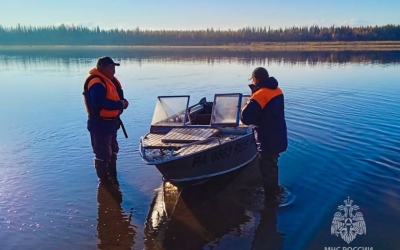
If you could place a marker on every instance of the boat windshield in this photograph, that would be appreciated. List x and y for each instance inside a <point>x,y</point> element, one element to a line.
<point>245,99</point>
<point>170,111</point>
<point>226,109</point>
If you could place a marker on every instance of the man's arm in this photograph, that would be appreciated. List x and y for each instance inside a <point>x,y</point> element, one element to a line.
<point>251,112</point>
<point>98,98</point>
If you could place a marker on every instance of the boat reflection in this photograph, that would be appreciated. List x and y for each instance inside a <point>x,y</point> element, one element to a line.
<point>200,216</point>
<point>113,225</point>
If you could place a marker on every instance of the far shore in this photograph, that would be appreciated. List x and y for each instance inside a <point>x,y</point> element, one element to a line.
<point>267,46</point>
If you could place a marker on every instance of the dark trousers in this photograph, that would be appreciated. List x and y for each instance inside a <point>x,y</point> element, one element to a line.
<point>269,170</point>
<point>104,145</point>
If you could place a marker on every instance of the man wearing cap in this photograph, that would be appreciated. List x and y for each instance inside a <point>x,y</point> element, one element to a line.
<point>104,100</point>
<point>265,110</point>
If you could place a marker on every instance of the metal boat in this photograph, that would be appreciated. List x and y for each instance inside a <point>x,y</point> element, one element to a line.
<point>196,142</point>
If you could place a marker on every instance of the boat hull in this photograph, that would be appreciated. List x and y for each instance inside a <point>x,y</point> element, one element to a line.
<point>211,162</point>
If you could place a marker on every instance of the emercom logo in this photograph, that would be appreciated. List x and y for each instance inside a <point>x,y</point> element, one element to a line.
<point>348,224</point>
<point>348,248</point>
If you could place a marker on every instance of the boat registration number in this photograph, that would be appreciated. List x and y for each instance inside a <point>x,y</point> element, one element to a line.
<point>221,154</point>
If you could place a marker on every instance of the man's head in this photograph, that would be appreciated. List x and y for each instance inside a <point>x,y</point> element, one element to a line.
<point>106,65</point>
<point>259,74</point>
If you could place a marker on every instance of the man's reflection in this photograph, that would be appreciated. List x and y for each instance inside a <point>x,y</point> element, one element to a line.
<point>266,236</point>
<point>113,226</point>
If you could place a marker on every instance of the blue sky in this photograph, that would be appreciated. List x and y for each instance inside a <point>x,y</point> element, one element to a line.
<point>200,14</point>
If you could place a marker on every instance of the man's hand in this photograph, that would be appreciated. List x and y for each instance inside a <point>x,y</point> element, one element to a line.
<point>253,88</point>
<point>125,104</point>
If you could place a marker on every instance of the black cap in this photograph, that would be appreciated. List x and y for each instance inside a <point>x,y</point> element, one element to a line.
<point>259,73</point>
<point>105,61</point>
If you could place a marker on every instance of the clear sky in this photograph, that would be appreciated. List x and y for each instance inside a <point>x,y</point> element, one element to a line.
<point>198,14</point>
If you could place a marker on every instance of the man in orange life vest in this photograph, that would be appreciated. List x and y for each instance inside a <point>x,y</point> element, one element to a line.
<point>265,110</point>
<point>104,100</point>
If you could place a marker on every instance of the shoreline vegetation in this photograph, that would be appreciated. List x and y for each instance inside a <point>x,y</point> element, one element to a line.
<point>261,46</point>
<point>263,38</point>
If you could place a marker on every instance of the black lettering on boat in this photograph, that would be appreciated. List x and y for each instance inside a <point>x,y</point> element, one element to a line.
<point>240,147</point>
<point>204,160</point>
<point>216,156</point>
<point>199,160</point>
<point>245,144</point>
<point>225,153</point>
<point>229,151</point>
<point>221,154</point>
<point>235,151</point>
<point>213,156</point>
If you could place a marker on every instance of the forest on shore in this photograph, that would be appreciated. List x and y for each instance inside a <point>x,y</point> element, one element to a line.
<point>80,35</point>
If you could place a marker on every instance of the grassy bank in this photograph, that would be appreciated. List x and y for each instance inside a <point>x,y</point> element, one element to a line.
<point>267,46</point>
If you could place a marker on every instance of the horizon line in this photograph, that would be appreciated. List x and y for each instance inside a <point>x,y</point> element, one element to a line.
<point>70,25</point>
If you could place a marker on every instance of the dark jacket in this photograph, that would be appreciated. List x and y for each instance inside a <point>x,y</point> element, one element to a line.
<point>265,110</point>
<point>96,99</point>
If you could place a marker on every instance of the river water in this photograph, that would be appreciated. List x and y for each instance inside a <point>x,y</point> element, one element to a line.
<point>343,118</point>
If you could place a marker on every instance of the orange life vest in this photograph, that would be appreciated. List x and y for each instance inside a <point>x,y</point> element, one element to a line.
<point>264,95</point>
<point>111,92</point>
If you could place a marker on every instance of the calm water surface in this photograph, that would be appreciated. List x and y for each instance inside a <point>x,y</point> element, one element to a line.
<point>343,117</point>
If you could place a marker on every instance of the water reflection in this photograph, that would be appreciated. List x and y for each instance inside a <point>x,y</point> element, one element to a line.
<point>76,55</point>
<point>113,225</point>
<point>344,135</point>
<point>201,216</point>
<point>266,236</point>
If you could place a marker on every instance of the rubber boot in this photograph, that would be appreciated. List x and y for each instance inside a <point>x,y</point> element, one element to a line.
<point>269,173</point>
<point>112,170</point>
<point>271,185</point>
<point>101,171</point>
<point>273,180</point>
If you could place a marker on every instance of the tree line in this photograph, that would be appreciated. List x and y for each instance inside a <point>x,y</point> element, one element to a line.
<point>80,35</point>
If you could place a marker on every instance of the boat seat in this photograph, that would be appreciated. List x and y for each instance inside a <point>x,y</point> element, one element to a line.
<point>202,119</point>
<point>187,135</point>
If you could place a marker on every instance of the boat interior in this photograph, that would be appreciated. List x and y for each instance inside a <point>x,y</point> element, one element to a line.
<point>178,126</point>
